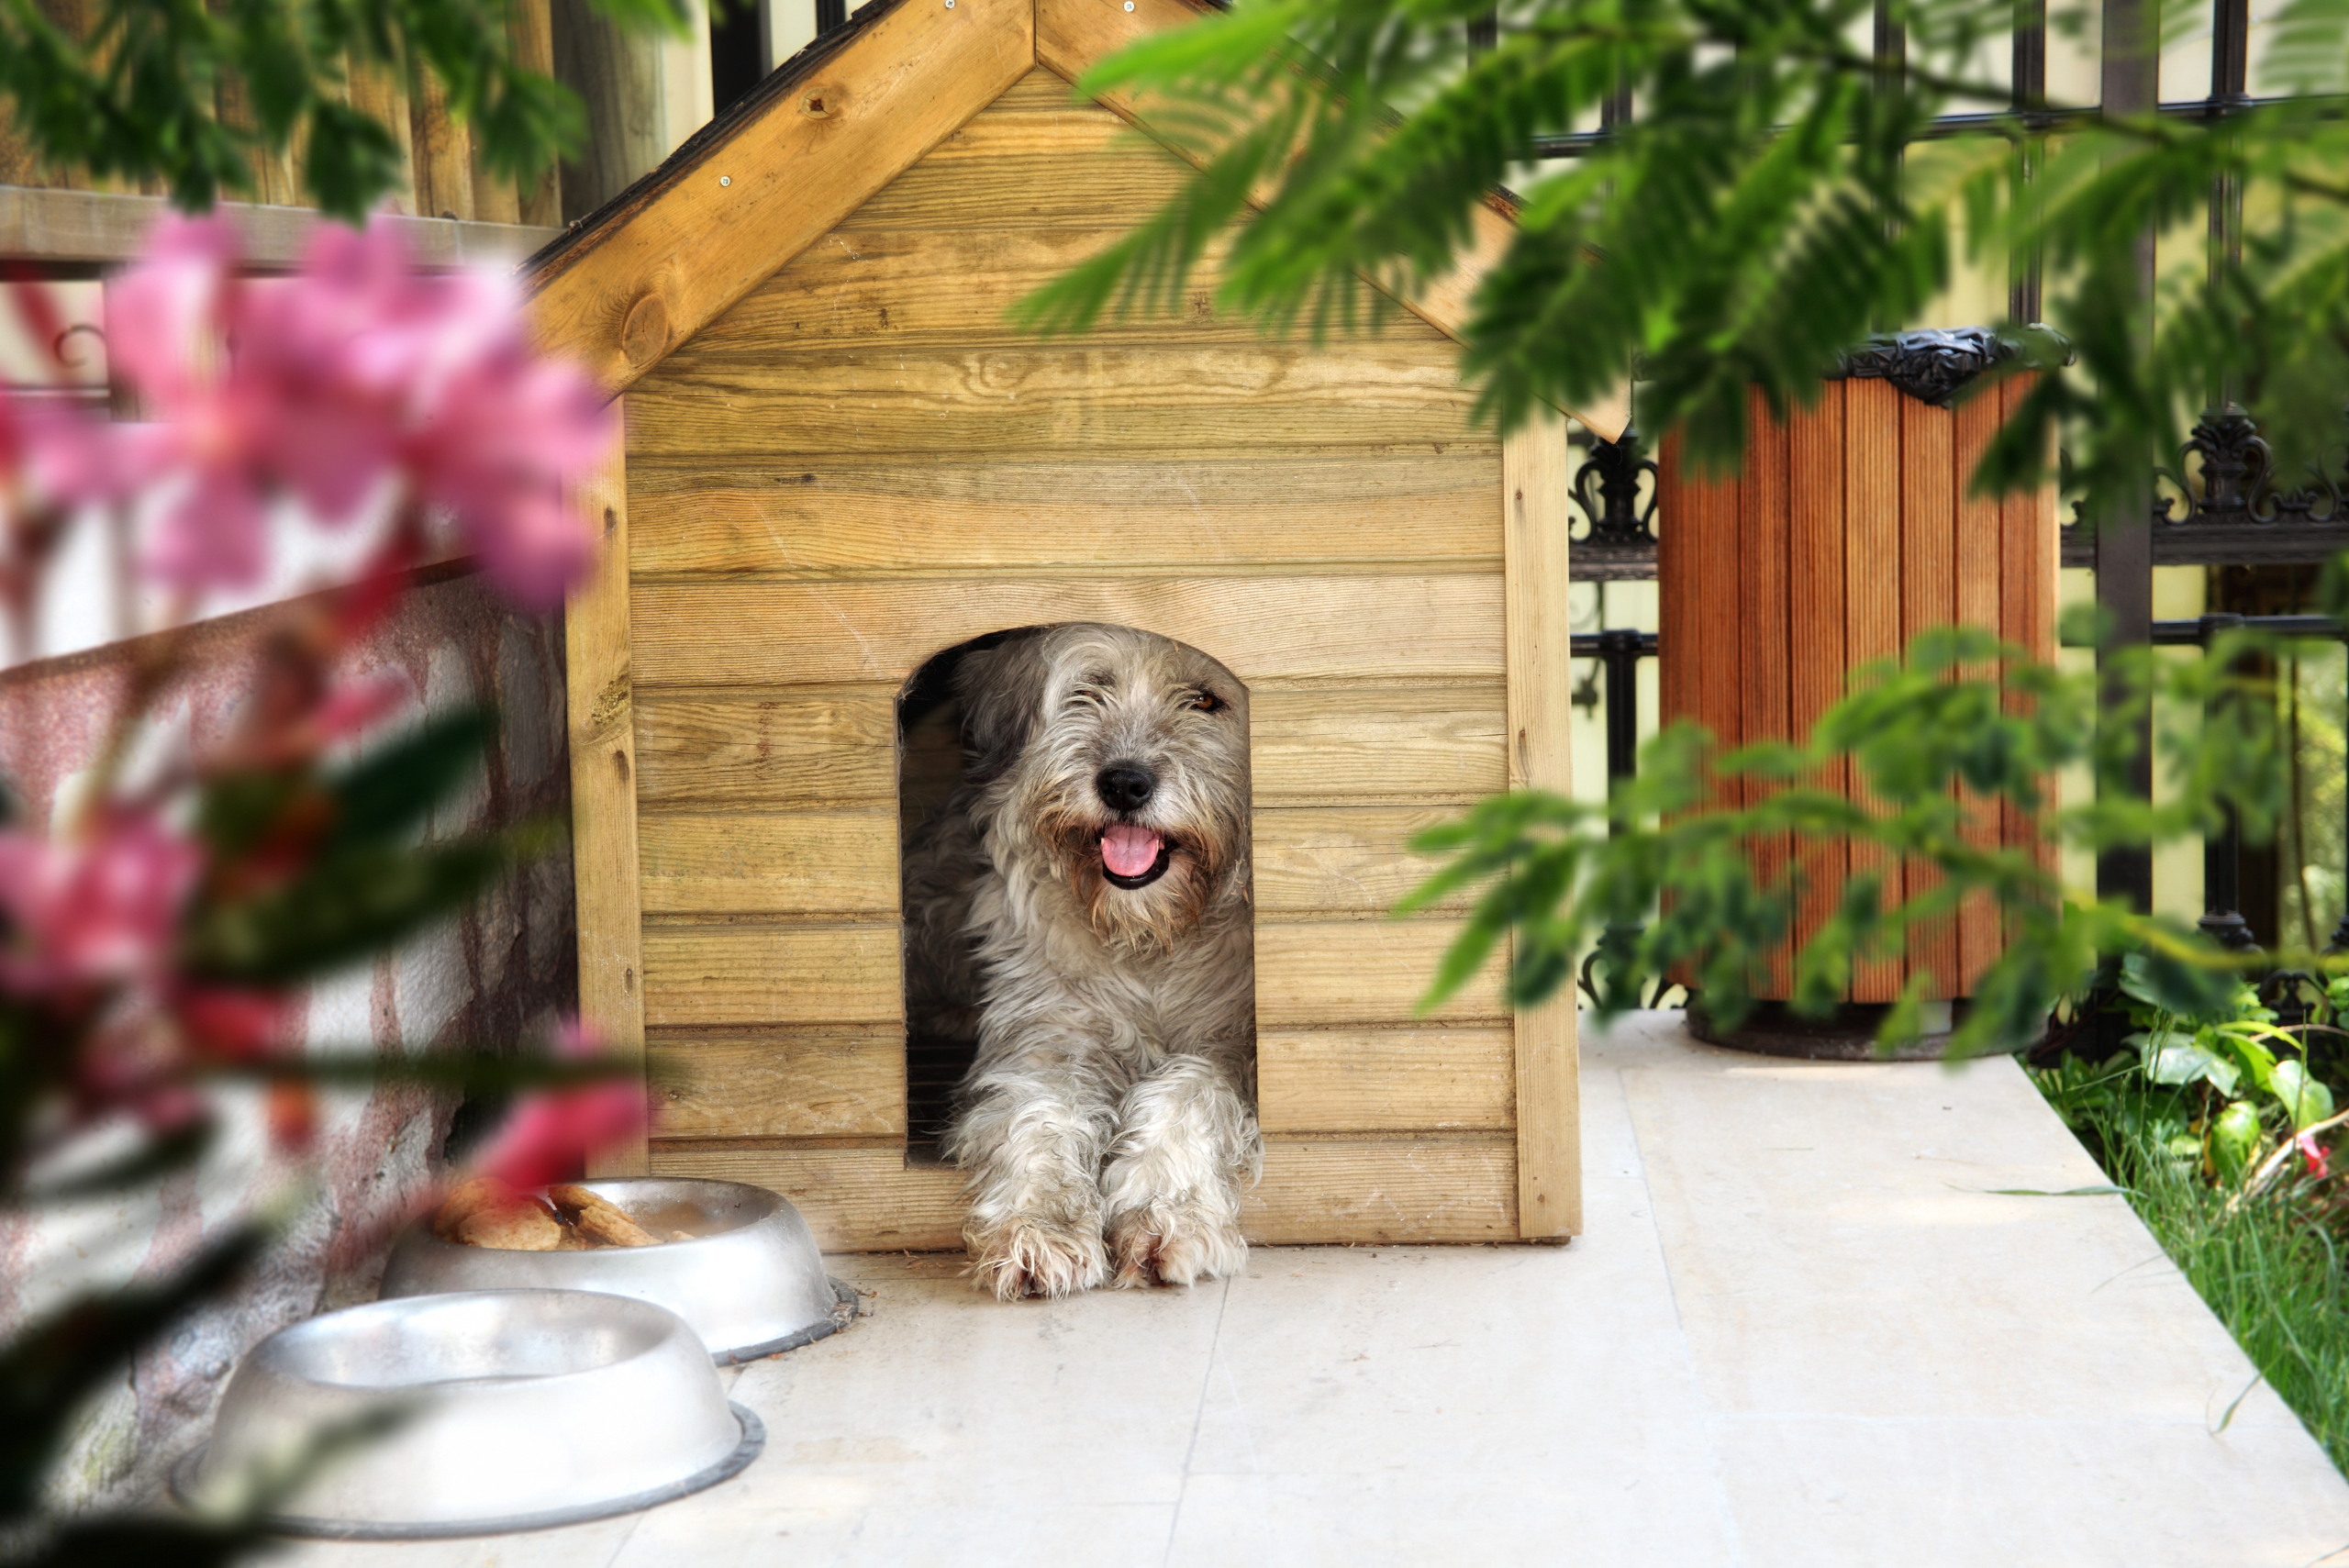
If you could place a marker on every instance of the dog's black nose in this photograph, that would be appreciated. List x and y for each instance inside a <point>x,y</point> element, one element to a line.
<point>1124,786</point>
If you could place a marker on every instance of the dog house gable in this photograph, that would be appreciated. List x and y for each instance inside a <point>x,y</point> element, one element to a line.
<point>851,463</point>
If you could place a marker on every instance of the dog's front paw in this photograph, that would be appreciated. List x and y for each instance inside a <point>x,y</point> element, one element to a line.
<point>1031,1257</point>
<point>1174,1244</point>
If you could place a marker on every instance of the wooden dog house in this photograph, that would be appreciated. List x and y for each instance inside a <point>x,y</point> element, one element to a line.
<point>840,460</point>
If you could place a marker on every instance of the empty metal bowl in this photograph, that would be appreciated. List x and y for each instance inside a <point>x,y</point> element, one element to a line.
<point>751,1283</point>
<point>498,1410</point>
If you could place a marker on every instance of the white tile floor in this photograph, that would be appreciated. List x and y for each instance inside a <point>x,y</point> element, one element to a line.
<point>1802,1330</point>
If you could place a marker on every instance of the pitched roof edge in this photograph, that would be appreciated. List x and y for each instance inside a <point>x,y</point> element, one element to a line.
<point>550,259</point>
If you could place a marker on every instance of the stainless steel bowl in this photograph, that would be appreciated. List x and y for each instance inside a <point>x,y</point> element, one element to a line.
<point>510,1409</point>
<point>752,1285</point>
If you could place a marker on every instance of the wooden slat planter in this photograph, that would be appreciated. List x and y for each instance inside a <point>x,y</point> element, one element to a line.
<point>1848,530</point>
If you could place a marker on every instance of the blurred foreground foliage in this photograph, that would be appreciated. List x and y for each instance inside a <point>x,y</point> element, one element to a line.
<point>132,92</point>
<point>1662,883</point>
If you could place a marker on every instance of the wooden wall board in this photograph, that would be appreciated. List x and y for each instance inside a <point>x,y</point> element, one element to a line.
<point>1404,1079</point>
<point>822,516</point>
<point>1299,627</point>
<point>1535,481</point>
<point>601,733</point>
<point>1388,743</point>
<point>809,747</point>
<point>1872,629</point>
<point>754,862</point>
<point>1816,673</point>
<point>734,974</point>
<point>1322,974</point>
<point>1017,395</point>
<point>1345,860</point>
<point>778,1082</point>
<point>1431,1187</point>
<point>2029,545</point>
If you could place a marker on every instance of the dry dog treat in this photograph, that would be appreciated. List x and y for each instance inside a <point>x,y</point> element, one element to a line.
<point>468,1199</point>
<point>598,1218</point>
<point>526,1226</point>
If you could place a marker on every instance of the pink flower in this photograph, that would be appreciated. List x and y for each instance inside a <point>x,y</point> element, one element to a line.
<point>357,375</point>
<point>92,913</point>
<point>2311,1153</point>
<point>549,1136</point>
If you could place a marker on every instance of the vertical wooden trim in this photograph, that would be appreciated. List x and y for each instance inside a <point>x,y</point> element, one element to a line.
<point>1816,668</point>
<point>1533,490</point>
<point>1872,604</point>
<point>603,795</point>
<point>1980,548</point>
<point>1698,604</point>
<point>1766,647</point>
<point>530,26</point>
<point>1927,598</point>
<point>380,92</point>
<point>444,153</point>
<point>2031,545</point>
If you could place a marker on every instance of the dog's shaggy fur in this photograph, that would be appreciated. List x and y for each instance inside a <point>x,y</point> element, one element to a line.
<point>1107,1126</point>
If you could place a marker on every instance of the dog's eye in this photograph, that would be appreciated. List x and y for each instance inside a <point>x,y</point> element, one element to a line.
<point>1205,701</point>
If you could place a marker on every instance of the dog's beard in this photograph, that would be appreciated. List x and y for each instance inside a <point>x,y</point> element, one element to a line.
<point>1137,884</point>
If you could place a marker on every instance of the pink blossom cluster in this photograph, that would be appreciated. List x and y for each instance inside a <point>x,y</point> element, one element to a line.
<point>358,380</point>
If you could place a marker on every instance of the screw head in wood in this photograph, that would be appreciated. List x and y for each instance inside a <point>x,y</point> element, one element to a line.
<point>725,179</point>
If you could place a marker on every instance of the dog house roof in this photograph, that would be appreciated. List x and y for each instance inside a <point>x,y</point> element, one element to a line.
<point>627,284</point>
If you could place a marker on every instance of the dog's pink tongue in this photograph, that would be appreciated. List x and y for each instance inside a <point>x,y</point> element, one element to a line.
<point>1129,851</point>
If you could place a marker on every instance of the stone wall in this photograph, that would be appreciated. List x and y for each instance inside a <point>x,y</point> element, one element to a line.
<point>502,971</point>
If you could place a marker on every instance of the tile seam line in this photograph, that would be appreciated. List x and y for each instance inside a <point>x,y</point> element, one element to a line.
<point>1679,1324</point>
<point>1198,1416</point>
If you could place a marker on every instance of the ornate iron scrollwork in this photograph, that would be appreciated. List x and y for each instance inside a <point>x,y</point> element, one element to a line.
<point>2231,514</point>
<point>1614,514</point>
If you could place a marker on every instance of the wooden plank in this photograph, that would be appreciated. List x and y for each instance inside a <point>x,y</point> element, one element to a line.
<point>1074,36</point>
<point>2031,543</point>
<point>1397,744</point>
<point>1429,1189</point>
<point>602,795</point>
<point>1017,396</point>
<point>1979,596</point>
<point>778,1082</point>
<point>820,517</point>
<point>682,247</point>
<point>529,31</point>
<point>1927,598</point>
<point>723,975</point>
<point>808,748</point>
<point>855,1198</point>
<point>949,284</point>
<point>1872,571</point>
<point>1012,189</point>
<point>828,516</point>
<point>1764,645</point>
<point>1390,1190</point>
<point>1535,474</point>
<point>1390,1080</point>
<point>1347,860</point>
<point>1442,625</point>
<point>1816,667</point>
<point>380,92</point>
<point>444,153</point>
<point>1321,974</point>
<point>738,862</point>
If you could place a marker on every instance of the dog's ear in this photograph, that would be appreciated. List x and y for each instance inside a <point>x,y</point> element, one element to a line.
<point>1001,692</point>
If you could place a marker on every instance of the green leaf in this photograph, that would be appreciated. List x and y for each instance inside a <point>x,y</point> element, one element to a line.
<point>2234,1139</point>
<point>2187,1062</point>
<point>2305,1100</point>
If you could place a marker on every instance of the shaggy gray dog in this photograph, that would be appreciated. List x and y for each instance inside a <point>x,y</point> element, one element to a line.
<point>1087,884</point>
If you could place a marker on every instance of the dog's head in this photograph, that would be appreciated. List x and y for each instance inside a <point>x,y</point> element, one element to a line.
<point>1119,767</point>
